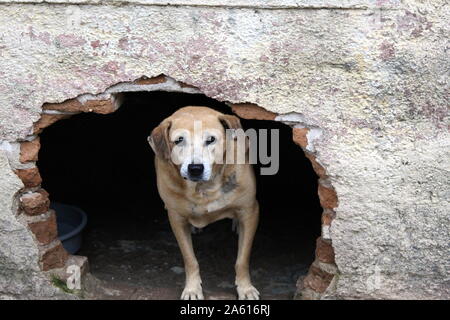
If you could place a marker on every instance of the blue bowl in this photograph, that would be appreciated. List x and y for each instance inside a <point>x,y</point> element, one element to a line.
<point>71,222</point>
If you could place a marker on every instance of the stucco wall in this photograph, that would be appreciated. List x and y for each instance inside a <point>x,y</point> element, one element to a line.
<point>370,76</point>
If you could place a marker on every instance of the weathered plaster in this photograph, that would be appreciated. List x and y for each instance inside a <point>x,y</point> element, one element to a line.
<point>266,4</point>
<point>20,276</point>
<point>374,81</point>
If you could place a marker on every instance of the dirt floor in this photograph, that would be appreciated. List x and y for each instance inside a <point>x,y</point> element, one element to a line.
<point>141,260</point>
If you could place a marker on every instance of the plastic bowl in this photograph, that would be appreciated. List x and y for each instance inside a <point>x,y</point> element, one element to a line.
<point>71,222</point>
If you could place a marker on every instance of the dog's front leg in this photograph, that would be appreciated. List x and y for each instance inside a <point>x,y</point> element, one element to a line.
<point>248,222</point>
<point>181,229</point>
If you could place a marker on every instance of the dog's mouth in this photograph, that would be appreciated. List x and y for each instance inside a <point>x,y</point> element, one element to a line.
<point>194,179</point>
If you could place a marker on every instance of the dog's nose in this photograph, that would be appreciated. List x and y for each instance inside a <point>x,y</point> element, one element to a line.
<point>195,170</point>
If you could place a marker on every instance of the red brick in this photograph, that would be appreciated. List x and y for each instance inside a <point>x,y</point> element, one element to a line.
<point>317,279</point>
<point>46,230</point>
<point>47,120</point>
<point>252,111</point>
<point>73,105</point>
<point>35,203</point>
<point>29,150</point>
<point>30,177</point>
<point>185,85</point>
<point>155,80</point>
<point>55,257</point>
<point>299,136</point>
<point>327,197</point>
<point>327,217</point>
<point>324,251</point>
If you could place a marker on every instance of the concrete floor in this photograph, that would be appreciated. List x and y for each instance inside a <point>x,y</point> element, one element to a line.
<point>141,260</point>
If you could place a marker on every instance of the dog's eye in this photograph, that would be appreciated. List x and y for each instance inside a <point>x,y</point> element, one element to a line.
<point>179,140</point>
<point>210,140</point>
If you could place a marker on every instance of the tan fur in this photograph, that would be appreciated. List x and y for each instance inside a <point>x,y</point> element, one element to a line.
<point>230,193</point>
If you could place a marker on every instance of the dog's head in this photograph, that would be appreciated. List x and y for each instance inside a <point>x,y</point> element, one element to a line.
<point>195,140</point>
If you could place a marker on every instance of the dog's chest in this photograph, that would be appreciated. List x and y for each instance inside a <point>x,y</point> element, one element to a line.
<point>204,203</point>
<point>206,209</point>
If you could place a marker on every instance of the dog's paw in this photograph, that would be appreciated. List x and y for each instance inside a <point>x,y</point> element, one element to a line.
<point>247,292</point>
<point>192,293</point>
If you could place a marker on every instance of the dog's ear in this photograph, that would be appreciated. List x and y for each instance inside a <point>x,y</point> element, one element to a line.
<point>159,139</point>
<point>233,123</point>
<point>230,122</point>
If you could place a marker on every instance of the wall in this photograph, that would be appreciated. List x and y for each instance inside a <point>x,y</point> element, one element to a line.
<point>368,78</point>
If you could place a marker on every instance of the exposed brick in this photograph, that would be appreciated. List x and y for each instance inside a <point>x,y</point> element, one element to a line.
<point>30,177</point>
<point>304,293</point>
<point>46,230</point>
<point>318,169</point>
<point>327,197</point>
<point>324,251</point>
<point>327,217</point>
<point>55,257</point>
<point>73,105</point>
<point>299,136</point>
<point>35,203</point>
<point>155,80</point>
<point>317,279</point>
<point>29,150</point>
<point>185,85</point>
<point>100,106</point>
<point>47,120</point>
<point>252,111</point>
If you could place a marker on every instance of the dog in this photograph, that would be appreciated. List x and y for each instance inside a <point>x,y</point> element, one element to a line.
<point>198,188</point>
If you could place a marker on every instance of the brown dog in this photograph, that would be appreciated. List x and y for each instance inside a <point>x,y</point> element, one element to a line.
<point>198,189</point>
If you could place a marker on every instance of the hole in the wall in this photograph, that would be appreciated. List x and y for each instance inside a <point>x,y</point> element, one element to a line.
<point>103,164</point>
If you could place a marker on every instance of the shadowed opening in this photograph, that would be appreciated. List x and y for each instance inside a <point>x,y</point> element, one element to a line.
<point>104,165</point>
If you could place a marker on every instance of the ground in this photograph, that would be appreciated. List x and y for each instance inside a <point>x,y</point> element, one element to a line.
<point>142,261</point>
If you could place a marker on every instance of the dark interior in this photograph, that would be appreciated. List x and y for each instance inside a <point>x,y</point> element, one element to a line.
<point>104,165</point>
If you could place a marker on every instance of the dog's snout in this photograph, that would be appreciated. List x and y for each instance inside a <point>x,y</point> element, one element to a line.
<point>195,170</point>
